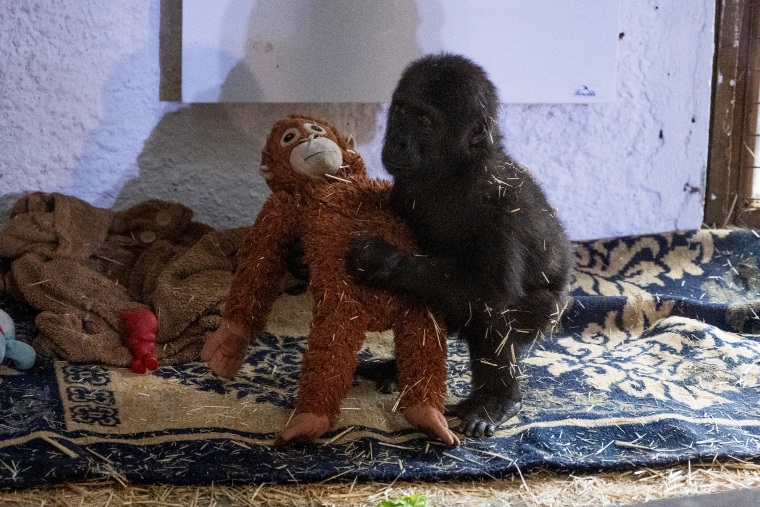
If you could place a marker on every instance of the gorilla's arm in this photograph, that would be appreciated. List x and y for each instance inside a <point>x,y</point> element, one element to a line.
<point>448,285</point>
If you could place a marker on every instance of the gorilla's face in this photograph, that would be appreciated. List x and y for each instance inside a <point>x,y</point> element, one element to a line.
<point>414,141</point>
<point>441,121</point>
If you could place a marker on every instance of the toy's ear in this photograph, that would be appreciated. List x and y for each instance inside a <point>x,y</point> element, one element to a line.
<point>266,172</point>
<point>350,143</point>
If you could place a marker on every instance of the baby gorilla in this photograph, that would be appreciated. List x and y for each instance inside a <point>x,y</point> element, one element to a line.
<point>497,261</point>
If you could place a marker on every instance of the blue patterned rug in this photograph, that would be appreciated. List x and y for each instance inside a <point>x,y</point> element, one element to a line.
<point>658,361</point>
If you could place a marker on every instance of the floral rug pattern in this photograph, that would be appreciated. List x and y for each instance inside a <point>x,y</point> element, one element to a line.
<point>657,361</point>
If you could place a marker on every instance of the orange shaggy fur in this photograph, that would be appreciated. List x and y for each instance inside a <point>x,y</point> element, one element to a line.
<point>324,215</point>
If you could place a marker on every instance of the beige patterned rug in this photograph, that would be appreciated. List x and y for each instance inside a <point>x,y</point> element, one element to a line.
<point>657,364</point>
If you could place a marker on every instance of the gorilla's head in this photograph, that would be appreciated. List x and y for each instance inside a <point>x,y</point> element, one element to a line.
<point>442,119</point>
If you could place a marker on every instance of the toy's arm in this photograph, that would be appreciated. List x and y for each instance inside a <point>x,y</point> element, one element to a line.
<point>255,284</point>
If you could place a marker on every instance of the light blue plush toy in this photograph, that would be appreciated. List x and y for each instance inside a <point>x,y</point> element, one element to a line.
<point>22,354</point>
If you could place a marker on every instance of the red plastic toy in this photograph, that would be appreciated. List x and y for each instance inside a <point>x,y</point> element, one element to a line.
<point>140,327</point>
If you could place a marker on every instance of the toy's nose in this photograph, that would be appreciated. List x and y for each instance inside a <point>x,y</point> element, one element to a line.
<point>308,138</point>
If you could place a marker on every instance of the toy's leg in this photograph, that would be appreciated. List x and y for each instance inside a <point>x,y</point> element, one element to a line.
<point>421,359</point>
<point>327,370</point>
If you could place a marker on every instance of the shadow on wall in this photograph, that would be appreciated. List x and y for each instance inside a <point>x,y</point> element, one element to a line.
<point>340,51</point>
<point>195,156</point>
<point>207,156</point>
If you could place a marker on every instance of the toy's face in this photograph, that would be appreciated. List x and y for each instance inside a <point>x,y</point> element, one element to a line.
<point>303,146</point>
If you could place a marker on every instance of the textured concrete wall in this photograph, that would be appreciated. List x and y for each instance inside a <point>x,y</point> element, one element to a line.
<point>80,114</point>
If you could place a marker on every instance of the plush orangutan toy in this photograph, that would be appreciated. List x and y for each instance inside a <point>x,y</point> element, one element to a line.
<point>321,197</point>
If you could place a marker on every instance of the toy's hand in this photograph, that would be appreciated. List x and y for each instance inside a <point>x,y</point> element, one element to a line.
<point>371,260</point>
<point>432,422</point>
<point>224,350</point>
<point>303,427</point>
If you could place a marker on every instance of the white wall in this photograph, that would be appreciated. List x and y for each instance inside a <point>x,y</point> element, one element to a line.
<point>549,51</point>
<point>80,114</point>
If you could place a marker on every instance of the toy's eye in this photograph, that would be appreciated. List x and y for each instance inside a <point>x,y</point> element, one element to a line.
<point>313,127</point>
<point>289,136</point>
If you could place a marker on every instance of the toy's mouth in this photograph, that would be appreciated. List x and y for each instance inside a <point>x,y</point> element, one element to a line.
<point>317,153</point>
<point>316,158</point>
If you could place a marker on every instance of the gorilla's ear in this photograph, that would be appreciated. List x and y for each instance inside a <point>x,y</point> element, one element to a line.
<point>479,132</point>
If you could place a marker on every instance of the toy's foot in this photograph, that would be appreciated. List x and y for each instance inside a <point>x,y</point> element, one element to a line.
<point>482,414</point>
<point>150,362</point>
<point>432,422</point>
<point>22,354</point>
<point>138,367</point>
<point>147,363</point>
<point>303,427</point>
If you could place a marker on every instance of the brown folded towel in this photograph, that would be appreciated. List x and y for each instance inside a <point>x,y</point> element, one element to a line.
<point>75,263</point>
<point>54,225</point>
<point>190,292</point>
<point>78,321</point>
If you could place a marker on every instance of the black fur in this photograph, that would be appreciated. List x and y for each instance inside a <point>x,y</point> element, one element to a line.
<point>497,260</point>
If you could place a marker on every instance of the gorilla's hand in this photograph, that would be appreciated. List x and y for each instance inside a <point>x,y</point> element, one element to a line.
<point>371,260</point>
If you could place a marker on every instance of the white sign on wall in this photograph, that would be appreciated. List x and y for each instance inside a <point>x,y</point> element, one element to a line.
<point>535,51</point>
